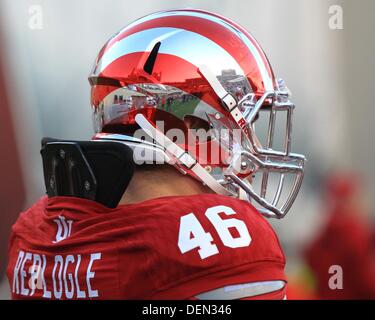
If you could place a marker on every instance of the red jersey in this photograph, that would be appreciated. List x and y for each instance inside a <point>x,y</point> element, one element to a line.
<point>165,248</point>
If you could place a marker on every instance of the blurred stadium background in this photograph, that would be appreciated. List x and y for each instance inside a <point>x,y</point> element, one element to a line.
<point>44,92</point>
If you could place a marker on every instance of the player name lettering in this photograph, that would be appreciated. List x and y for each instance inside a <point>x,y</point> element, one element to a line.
<point>55,277</point>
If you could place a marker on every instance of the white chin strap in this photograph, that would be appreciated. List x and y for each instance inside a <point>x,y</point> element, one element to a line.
<point>232,106</point>
<point>226,98</point>
<point>180,155</point>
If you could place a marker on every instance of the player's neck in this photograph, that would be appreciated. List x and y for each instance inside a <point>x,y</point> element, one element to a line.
<point>161,182</point>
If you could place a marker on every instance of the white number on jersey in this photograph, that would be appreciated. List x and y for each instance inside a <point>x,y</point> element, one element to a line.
<point>192,235</point>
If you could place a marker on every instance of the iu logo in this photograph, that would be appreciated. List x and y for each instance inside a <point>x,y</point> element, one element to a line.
<point>64,228</point>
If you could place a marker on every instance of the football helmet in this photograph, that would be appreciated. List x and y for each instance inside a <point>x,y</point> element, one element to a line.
<point>188,88</point>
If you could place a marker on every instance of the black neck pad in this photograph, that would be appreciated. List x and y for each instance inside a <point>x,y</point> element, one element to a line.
<point>94,170</point>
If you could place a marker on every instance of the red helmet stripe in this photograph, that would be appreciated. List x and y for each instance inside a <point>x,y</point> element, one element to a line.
<point>224,37</point>
<point>164,72</point>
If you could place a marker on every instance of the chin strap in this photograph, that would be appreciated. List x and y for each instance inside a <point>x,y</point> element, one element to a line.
<point>226,98</point>
<point>183,157</point>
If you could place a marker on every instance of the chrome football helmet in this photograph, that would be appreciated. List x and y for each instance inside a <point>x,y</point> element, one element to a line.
<point>189,88</point>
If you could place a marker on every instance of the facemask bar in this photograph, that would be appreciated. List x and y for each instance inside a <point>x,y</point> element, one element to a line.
<point>271,209</point>
<point>269,160</point>
<point>262,159</point>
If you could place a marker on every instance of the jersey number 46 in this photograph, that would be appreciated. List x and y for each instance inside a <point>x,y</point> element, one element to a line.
<point>192,235</point>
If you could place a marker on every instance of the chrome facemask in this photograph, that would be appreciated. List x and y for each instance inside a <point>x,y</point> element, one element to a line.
<point>264,161</point>
<point>257,159</point>
<point>276,175</point>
